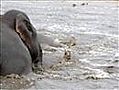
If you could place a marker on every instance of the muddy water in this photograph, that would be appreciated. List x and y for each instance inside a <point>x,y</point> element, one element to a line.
<point>86,56</point>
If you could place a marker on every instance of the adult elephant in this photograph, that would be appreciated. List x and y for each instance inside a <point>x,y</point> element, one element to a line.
<point>19,38</point>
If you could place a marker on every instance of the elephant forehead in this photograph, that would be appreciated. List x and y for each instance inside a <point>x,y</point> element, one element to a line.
<point>10,17</point>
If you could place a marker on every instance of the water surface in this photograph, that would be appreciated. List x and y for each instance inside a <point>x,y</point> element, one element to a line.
<point>89,32</point>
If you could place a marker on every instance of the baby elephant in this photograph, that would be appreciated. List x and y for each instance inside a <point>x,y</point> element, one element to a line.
<point>20,49</point>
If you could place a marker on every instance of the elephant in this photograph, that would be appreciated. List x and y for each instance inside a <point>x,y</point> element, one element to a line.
<point>14,55</point>
<point>18,24</point>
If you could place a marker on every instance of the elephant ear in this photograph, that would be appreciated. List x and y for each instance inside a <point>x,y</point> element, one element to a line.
<point>23,28</point>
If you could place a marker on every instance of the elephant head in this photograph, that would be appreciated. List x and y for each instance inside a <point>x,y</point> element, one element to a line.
<point>20,23</point>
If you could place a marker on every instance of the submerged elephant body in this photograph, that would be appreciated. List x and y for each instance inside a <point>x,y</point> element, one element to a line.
<point>20,47</point>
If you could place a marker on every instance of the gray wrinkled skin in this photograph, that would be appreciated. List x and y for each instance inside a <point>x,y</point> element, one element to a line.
<point>14,56</point>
